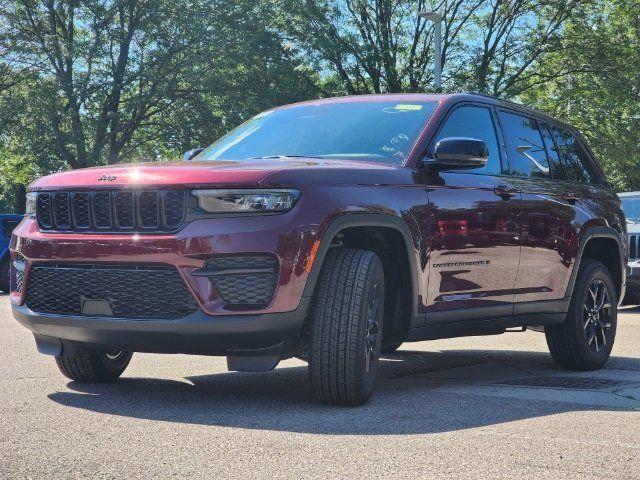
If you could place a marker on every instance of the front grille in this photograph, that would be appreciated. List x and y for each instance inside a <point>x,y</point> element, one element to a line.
<point>244,280</point>
<point>131,292</point>
<point>112,210</point>
<point>633,247</point>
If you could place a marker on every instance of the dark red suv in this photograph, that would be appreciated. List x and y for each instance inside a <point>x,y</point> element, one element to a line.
<point>330,230</point>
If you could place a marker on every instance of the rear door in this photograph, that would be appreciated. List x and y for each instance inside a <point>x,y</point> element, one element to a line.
<point>474,249</point>
<point>548,233</point>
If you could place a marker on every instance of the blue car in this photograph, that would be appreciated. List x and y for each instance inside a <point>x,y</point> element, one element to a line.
<point>7,225</point>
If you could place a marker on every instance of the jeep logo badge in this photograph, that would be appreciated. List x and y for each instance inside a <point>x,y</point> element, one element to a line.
<point>107,178</point>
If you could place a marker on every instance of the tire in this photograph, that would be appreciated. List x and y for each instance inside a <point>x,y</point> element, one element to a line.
<point>390,347</point>
<point>4,274</point>
<point>584,341</point>
<point>94,367</point>
<point>346,327</point>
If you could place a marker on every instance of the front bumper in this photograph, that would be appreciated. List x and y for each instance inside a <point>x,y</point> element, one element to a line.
<point>214,328</point>
<point>279,236</point>
<point>197,333</point>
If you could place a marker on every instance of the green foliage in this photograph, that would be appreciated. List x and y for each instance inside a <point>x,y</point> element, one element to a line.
<point>16,171</point>
<point>601,94</point>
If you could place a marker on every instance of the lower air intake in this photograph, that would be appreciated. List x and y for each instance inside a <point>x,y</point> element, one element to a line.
<point>131,292</point>
<point>244,281</point>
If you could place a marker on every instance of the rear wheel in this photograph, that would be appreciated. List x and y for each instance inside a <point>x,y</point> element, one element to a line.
<point>4,274</point>
<point>585,340</point>
<point>346,329</point>
<point>94,367</point>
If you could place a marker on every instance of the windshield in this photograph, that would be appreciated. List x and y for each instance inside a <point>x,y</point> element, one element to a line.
<point>373,131</point>
<point>631,208</point>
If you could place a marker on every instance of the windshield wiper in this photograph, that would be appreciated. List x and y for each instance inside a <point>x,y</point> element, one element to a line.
<point>266,157</point>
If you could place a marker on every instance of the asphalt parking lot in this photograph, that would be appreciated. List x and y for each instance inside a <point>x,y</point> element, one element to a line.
<point>484,407</point>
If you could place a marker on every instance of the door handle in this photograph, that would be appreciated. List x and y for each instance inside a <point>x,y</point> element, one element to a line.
<point>570,197</point>
<point>505,191</point>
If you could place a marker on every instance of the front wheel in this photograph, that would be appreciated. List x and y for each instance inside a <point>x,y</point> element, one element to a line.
<point>584,341</point>
<point>346,328</point>
<point>94,367</point>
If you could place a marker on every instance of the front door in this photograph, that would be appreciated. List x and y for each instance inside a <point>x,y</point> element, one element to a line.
<point>474,245</point>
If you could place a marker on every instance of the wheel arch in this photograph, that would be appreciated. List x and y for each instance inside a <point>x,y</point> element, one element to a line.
<point>382,234</point>
<point>603,244</point>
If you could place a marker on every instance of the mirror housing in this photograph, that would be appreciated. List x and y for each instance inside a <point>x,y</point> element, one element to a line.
<point>458,153</point>
<point>188,155</point>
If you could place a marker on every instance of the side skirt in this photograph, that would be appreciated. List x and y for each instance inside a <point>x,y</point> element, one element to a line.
<point>483,327</point>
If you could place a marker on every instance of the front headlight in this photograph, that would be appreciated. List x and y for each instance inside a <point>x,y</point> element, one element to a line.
<point>30,208</point>
<point>246,201</point>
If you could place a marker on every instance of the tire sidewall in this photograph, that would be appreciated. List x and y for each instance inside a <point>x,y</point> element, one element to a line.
<point>367,381</point>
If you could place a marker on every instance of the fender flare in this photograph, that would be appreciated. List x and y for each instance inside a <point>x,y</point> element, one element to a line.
<point>599,232</point>
<point>365,220</point>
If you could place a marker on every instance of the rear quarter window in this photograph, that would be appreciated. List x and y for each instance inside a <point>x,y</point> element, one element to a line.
<point>574,158</point>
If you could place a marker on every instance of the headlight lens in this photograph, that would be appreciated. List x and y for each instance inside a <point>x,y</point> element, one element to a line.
<point>246,201</point>
<point>30,209</point>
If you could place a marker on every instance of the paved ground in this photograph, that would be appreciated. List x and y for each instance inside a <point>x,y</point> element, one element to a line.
<point>441,410</point>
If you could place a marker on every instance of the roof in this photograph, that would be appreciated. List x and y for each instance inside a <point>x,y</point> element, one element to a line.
<point>444,98</point>
<point>629,194</point>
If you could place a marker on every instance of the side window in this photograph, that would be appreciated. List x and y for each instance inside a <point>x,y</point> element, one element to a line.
<point>574,159</point>
<point>475,122</point>
<point>527,156</point>
<point>557,170</point>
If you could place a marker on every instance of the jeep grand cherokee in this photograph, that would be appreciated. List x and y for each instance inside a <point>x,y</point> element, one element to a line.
<point>330,230</point>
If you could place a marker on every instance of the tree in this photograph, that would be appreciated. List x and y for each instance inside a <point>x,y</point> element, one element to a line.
<point>374,46</point>
<point>601,96</point>
<point>514,35</point>
<point>116,63</point>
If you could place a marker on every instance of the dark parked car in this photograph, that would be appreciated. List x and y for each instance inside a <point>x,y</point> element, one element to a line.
<point>331,230</point>
<point>7,225</point>
<point>631,208</point>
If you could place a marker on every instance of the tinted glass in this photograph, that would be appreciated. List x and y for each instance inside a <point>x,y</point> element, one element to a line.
<point>372,131</point>
<point>557,171</point>
<point>574,159</point>
<point>527,156</point>
<point>475,122</point>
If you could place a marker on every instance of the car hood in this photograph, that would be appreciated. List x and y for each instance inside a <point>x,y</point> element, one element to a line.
<point>192,174</point>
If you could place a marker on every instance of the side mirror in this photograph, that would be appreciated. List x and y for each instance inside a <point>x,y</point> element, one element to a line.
<point>188,155</point>
<point>458,153</point>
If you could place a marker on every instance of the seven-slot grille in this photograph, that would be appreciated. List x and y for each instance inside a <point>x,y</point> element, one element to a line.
<point>633,247</point>
<point>111,210</point>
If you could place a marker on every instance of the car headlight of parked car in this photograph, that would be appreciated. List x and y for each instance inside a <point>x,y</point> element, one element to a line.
<point>246,201</point>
